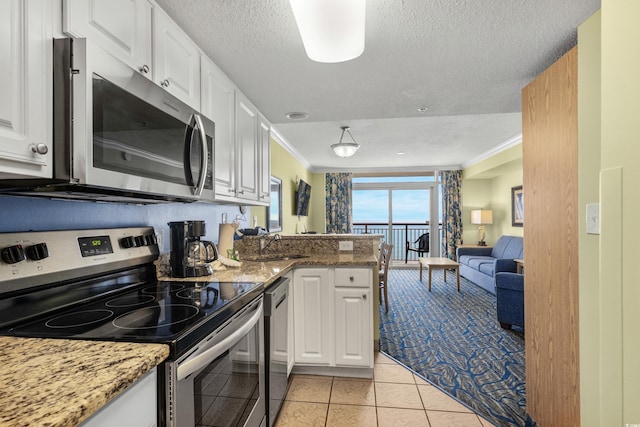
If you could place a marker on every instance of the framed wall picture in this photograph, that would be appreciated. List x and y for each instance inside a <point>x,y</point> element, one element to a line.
<point>517,206</point>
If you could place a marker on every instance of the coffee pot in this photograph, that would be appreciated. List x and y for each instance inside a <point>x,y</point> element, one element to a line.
<point>190,255</point>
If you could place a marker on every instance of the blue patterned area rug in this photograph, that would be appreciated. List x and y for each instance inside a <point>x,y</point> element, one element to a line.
<point>454,341</point>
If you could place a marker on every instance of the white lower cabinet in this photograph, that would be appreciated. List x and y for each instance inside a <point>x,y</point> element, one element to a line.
<point>353,319</point>
<point>290,322</point>
<point>333,317</point>
<point>313,315</point>
<point>134,407</point>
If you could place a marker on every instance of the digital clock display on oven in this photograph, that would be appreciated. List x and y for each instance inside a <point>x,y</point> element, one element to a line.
<point>97,245</point>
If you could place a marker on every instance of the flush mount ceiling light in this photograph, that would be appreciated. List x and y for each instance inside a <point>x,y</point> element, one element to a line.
<point>297,115</point>
<point>345,149</point>
<point>331,30</point>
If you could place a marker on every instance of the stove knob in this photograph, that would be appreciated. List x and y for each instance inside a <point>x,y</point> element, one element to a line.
<point>127,242</point>
<point>150,239</point>
<point>139,240</point>
<point>13,254</point>
<point>37,252</point>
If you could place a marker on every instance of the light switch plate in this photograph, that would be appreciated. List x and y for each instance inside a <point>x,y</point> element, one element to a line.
<point>346,245</point>
<point>593,218</point>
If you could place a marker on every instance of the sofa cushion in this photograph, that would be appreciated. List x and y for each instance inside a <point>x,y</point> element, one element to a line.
<point>510,247</point>
<point>476,261</point>
<point>487,268</point>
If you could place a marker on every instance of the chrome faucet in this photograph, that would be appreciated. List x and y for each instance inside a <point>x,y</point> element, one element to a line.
<point>268,241</point>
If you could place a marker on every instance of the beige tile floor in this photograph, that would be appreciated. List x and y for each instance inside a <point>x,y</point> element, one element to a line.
<point>394,397</point>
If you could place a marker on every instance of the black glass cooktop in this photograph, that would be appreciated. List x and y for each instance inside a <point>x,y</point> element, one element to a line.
<point>175,313</point>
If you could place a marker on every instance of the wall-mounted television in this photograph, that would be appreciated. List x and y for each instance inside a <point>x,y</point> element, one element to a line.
<point>303,195</point>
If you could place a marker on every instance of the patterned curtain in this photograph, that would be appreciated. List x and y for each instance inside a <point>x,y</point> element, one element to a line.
<point>451,212</point>
<point>338,201</point>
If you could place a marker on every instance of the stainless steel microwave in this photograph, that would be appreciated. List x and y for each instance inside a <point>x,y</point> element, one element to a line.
<point>120,137</point>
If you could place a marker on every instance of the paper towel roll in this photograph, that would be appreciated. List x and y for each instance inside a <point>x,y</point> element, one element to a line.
<point>225,238</point>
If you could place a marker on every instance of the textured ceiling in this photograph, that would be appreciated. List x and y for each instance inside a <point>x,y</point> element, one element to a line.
<point>466,61</point>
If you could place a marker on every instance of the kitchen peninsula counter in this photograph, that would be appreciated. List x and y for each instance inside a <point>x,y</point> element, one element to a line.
<point>256,271</point>
<point>54,382</point>
<point>317,250</point>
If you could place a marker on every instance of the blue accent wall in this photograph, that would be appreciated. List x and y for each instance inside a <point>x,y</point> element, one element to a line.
<point>40,214</point>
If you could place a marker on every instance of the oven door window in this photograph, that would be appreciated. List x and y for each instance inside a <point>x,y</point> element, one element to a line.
<point>228,390</point>
<point>133,137</point>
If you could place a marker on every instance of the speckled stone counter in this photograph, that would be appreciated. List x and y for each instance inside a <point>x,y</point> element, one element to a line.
<point>319,250</point>
<point>51,382</point>
<point>268,271</point>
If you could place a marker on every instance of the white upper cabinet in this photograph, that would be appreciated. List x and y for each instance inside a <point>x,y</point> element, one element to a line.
<point>247,164</point>
<point>121,27</point>
<point>176,60</point>
<point>264,147</point>
<point>218,104</point>
<point>142,36</point>
<point>26,89</point>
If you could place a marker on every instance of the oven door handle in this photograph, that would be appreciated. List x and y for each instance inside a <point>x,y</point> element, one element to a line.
<point>192,365</point>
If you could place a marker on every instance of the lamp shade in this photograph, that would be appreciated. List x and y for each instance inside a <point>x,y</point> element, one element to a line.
<point>482,216</point>
<point>331,30</point>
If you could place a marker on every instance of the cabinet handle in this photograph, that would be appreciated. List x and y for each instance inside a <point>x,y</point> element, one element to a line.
<point>240,192</point>
<point>364,296</point>
<point>39,148</point>
<point>232,190</point>
<point>144,69</point>
<point>164,83</point>
<point>351,278</point>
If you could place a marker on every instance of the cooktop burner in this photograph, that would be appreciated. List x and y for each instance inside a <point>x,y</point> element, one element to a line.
<point>79,318</point>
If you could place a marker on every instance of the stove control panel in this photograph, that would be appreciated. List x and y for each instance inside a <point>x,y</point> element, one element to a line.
<point>34,258</point>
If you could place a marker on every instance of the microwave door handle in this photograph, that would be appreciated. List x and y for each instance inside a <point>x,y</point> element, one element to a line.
<point>192,365</point>
<point>204,160</point>
<point>195,123</point>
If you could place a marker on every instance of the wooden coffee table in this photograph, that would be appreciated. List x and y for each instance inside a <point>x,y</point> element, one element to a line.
<point>442,264</point>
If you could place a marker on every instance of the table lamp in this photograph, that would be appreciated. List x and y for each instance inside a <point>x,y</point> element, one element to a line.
<point>481,217</point>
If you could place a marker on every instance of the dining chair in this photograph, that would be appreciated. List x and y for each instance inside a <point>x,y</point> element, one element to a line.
<point>384,260</point>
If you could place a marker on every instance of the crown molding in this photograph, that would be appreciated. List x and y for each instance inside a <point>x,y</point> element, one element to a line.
<point>513,141</point>
<point>282,141</point>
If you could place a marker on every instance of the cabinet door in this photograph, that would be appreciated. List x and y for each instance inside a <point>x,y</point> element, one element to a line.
<point>290,326</point>
<point>264,147</point>
<point>353,327</point>
<point>26,89</point>
<point>218,104</point>
<point>246,149</point>
<point>313,313</point>
<point>121,27</point>
<point>176,60</point>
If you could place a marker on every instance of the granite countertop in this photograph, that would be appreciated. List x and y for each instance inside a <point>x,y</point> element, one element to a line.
<point>268,271</point>
<point>51,382</point>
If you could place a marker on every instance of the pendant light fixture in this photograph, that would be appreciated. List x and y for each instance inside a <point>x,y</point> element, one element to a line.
<point>331,30</point>
<point>345,149</point>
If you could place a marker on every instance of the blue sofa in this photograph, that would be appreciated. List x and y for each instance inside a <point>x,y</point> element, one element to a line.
<point>480,264</point>
<point>510,299</point>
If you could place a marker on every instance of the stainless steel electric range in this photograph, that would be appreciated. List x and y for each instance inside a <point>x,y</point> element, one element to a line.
<point>101,285</point>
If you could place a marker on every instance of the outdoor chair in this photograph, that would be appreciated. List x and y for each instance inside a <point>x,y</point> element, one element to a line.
<point>421,248</point>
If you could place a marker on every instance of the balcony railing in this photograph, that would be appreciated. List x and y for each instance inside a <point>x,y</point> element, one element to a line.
<point>400,233</point>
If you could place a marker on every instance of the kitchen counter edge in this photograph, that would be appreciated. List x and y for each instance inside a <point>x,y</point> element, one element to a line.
<point>60,382</point>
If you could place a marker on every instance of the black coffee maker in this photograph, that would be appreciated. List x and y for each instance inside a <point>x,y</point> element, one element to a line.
<point>190,255</point>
